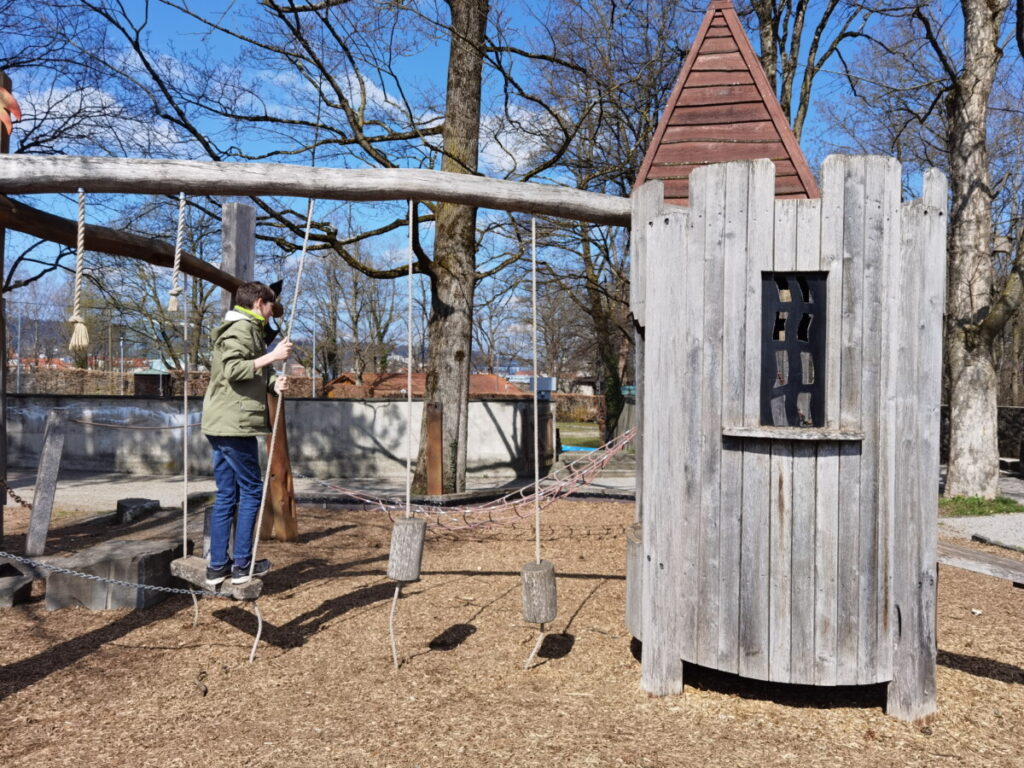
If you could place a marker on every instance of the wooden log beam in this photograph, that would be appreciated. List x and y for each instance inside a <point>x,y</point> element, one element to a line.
<point>35,174</point>
<point>32,221</point>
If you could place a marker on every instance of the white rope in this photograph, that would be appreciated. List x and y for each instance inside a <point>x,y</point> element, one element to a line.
<point>285,336</point>
<point>408,376</point>
<point>172,303</point>
<point>536,417</point>
<point>80,333</point>
<point>536,648</point>
<point>391,625</point>
<point>184,389</point>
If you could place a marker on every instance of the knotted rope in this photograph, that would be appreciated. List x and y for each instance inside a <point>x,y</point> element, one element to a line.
<point>176,289</point>
<point>80,333</point>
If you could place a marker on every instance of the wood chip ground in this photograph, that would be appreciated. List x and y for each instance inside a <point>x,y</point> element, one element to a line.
<point>148,689</point>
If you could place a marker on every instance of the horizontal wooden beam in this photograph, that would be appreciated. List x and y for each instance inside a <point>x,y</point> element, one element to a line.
<point>47,226</point>
<point>36,174</point>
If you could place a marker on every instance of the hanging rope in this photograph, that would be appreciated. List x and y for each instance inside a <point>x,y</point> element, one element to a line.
<point>536,416</point>
<point>285,336</point>
<point>408,429</point>
<point>544,576</point>
<point>172,302</point>
<point>172,305</point>
<point>80,333</point>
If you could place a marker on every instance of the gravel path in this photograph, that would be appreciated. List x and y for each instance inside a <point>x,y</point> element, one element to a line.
<point>1004,530</point>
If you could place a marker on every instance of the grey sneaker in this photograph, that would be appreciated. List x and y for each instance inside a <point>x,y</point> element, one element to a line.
<point>215,576</point>
<point>240,575</point>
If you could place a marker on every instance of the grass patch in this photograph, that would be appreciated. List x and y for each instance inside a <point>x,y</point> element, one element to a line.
<point>974,506</point>
<point>580,433</point>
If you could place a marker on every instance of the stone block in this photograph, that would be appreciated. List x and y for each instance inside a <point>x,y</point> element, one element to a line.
<point>130,510</point>
<point>193,570</point>
<point>15,584</point>
<point>139,562</point>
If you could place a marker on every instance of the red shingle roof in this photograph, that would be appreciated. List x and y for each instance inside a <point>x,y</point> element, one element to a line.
<point>722,108</point>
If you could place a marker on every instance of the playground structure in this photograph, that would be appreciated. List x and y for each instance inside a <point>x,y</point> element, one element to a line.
<point>787,495</point>
<point>784,541</point>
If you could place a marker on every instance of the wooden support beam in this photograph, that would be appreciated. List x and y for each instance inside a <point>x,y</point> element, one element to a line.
<point>282,521</point>
<point>47,226</point>
<point>435,443</point>
<point>46,482</point>
<point>36,174</point>
<point>238,247</point>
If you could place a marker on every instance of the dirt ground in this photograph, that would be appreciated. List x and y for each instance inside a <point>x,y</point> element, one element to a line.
<point>148,689</point>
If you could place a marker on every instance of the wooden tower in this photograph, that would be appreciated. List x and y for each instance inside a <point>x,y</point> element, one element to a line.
<point>789,361</point>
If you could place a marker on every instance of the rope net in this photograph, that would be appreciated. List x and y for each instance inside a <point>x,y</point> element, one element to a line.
<point>514,506</point>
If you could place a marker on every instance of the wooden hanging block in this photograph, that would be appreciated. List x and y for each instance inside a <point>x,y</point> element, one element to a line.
<point>406,549</point>
<point>540,599</point>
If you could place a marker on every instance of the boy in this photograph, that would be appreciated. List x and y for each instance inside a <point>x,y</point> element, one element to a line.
<point>234,413</point>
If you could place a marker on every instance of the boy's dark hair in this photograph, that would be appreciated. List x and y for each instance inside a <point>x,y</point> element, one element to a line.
<point>248,293</point>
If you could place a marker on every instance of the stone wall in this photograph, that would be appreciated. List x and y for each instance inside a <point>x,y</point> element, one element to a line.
<point>327,438</point>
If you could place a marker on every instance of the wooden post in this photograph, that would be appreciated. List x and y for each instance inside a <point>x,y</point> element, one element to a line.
<point>238,245</point>
<point>46,482</point>
<point>282,522</point>
<point>5,140</point>
<point>435,446</point>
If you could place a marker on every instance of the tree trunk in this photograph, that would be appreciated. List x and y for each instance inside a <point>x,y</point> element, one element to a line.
<point>453,278</point>
<point>973,449</point>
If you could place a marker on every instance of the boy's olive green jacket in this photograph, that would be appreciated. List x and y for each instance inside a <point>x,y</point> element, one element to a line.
<point>235,404</point>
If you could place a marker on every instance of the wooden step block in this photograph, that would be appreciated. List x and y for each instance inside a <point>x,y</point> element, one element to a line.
<point>193,570</point>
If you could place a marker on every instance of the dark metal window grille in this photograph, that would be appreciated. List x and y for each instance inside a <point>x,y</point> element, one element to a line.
<point>793,349</point>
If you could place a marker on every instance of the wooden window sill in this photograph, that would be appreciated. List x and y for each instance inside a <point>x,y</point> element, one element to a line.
<point>793,433</point>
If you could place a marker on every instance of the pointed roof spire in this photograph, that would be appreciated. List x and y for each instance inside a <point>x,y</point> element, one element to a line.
<point>722,108</point>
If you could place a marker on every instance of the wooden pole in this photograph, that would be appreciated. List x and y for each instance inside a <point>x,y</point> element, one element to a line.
<point>135,176</point>
<point>435,445</point>
<point>5,142</point>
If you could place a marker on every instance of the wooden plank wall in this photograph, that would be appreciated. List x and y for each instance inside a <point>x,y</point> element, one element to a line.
<point>784,555</point>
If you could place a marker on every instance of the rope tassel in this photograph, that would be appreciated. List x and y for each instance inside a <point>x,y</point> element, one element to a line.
<point>80,333</point>
<point>172,302</point>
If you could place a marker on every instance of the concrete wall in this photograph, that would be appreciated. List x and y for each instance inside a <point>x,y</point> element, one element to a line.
<point>326,438</point>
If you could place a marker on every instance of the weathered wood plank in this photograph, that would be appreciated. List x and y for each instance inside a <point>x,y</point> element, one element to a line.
<point>646,202</point>
<point>874,311</point>
<point>46,482</point>
<point>760,232</point>
<point>848,585</point>
<point>754,570</point>
<point>710,206</point>
<point>665,375</point>
<point>736,251</point>
<point>891,380</point>
<point>826,564</point>
<point>805,456</point>
<point>959,556</point>
<point>690,316</point>
<point>912,692</point>
<point>851,371</point>
<point>784,256</point>
<point>833,193</point>
<point>30,174</point>
<point>780,570</point>
<point>808,235</point>
<point>800,434</point>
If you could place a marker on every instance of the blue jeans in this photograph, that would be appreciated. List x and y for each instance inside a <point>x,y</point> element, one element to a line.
<point>236,470</point>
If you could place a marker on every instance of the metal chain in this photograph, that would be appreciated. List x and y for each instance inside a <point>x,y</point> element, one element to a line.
<point>10,492</point>
<point>116,582</point>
